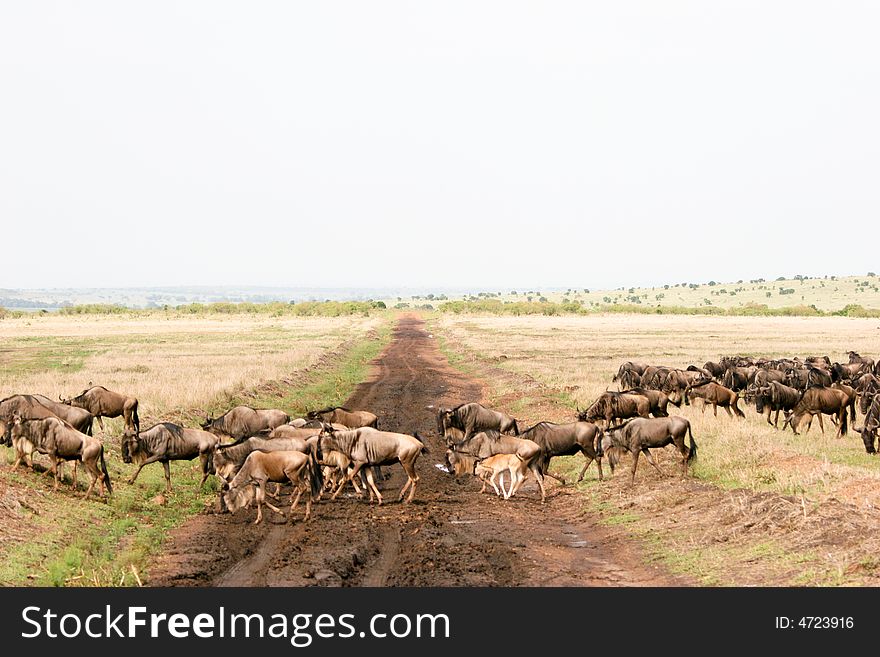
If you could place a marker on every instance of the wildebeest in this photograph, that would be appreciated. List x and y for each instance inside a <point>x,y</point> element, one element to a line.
<point>856,358</point>
<point>61,442</point>
<point>165,442</point>
<point>818,376</point>
<point>281,466</point>
<point>658,400</point>
<point>464,455</point>
<point>868,386</point>
<point>818,401</point>
<point>763,377</point>
<point>366,447</point>
<point>243,422</point>
<point>615,405</point>
<point>848,372</point>
<point>102,403</point>
<point>797,378</point>
<point>715,369</point>
<point>79,418</point>
<point>565,440</point>
<point>715,394</point>
<point>738,378</point>
<point>344,416</point>
<point>872,423</point>
<point>629,374</point>
<point>472,418</point>
<point>491,468</point>
<point>820,361</point>
<point>227,459</point>
<point>640,435</point>
<point>31,407</point>
<point>776,397</point>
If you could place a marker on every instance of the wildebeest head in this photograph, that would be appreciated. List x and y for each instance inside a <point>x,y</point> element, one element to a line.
<point>6,432</point>
<point>239,497</point>
<point>130,445</point>
<point>458,463</point>
<point>13,431</point>
<point>612,443</point>
<point>207,423</point>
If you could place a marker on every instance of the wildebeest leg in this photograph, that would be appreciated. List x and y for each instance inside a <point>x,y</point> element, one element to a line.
<point>372,484</point>
<point>92,468</point>
<point>350,475</point>
<point>100,422</point>
<point>494,485</point>
<point>536,470</point>
<point>776,421</point>
<point>651,460</point>
<point>410,469</point>
<point>635,455</point>
<point>152,459</point>
<point>167,466</point>
<point>54,460</point>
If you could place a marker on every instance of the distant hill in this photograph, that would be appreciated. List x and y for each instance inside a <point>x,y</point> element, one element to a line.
<point>828,293</point>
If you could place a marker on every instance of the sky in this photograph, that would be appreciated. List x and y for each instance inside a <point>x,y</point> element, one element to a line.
<point>488,144</point>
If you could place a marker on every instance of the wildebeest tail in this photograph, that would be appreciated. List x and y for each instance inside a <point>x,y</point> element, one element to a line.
<point>137,420</point>
<point>515,427</point>
<point>424,449</point>
<point>316,476</point>
<point>692,453</point>
<point>106,474</point>
<point>843,426</point>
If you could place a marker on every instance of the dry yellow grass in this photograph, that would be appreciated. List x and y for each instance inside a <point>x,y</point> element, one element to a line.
<point>167,363</point>
<point>581,354</point>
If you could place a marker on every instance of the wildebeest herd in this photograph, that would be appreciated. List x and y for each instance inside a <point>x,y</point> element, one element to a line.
<point>331,448</point>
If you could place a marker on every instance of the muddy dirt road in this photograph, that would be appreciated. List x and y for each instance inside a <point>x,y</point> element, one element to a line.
<point>449,536</point>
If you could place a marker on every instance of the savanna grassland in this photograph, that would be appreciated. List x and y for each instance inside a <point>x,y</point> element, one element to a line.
<point>180,368</point>
<point>763,506</point>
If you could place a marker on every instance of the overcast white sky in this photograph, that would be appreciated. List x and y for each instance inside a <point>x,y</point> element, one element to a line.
<point>497,144</point>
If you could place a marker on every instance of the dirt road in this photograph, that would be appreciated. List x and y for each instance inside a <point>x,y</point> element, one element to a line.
<point>449,536</point>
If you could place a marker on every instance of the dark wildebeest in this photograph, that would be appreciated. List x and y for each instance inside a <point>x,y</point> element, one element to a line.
<point>847,373</point>
<point>764,378</point>
<point>818,401</point>
<point>280,466</point>
<point>678,380</point>
<point>79,418</point>
<point>344,416</point>
<point>872,422</point>
<point>851,396</point>
<point>738,378</point>
<point>615,405</point>
<point>776,397</point>
<point>822,362</point>
<point>629,374</point>
<point>243,422</point>
<point>366,447</point>
<point>102,403</point>
<point>715,369</point>
<point>702,371</point>
<point>61,442</point>
<point>464,456</point>
<point>654,375</point>
<point>472,418</point>
<point>565,440</point>
<point>797,378</point>
<point>867,387</point>
<point>640,435</point>
<point>856,358</point>
<point>165,442</point>
<point>715,394</point>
